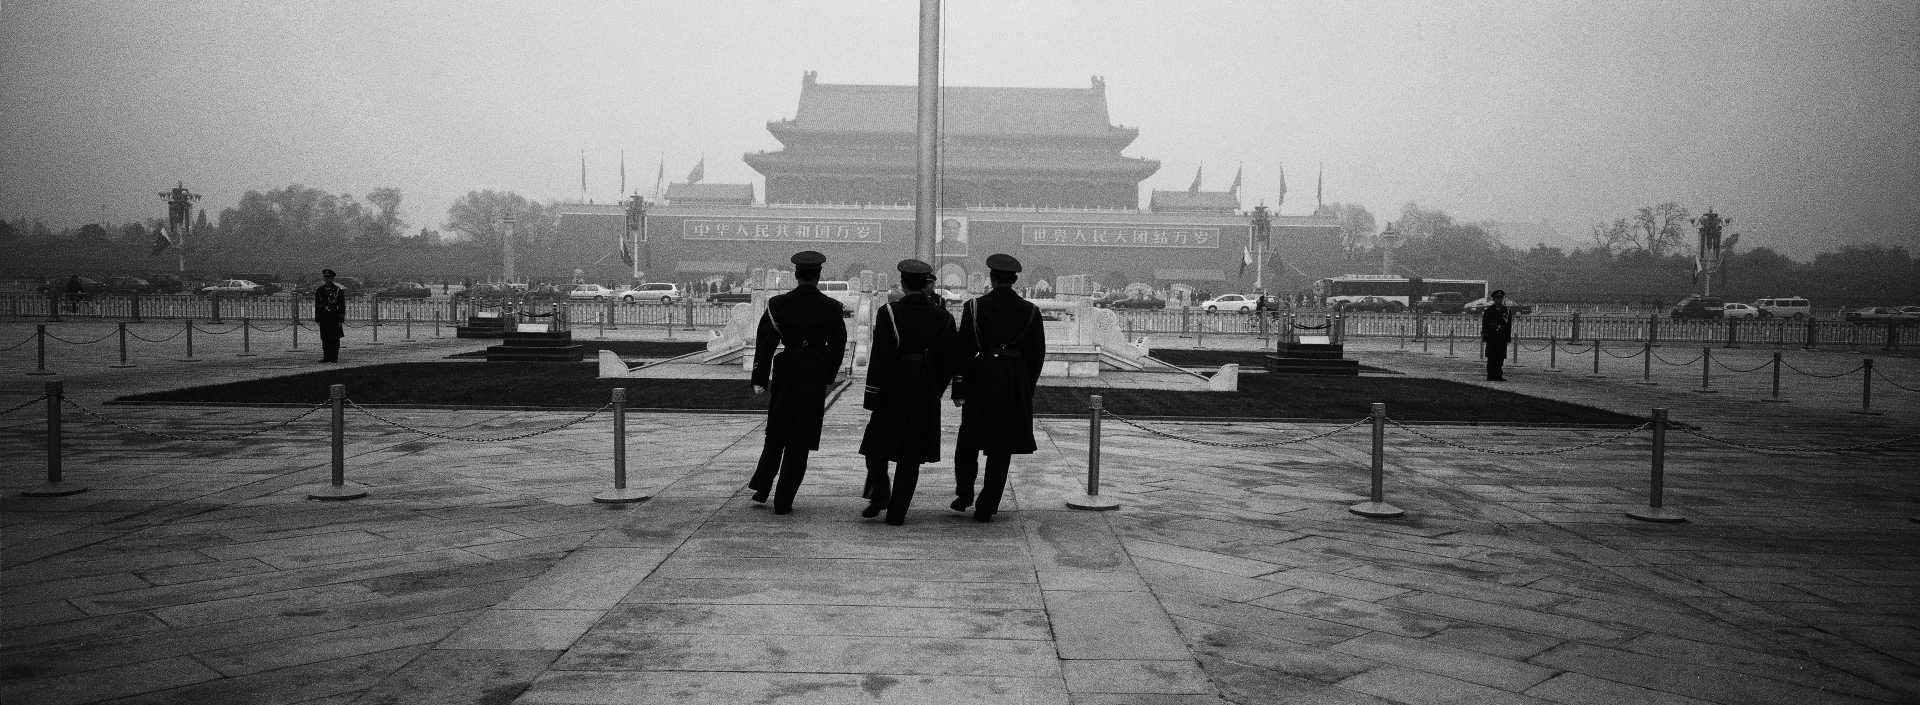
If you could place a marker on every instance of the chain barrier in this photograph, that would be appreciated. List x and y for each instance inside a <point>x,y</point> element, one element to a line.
<point>1636,353</point>
<point>1688,363</point>
<point>1222,444</point>
<point>210,331</point>
<point>1755,368</point>
<point>265,329</point>
<point>1798,449</point>
<point>30,402</point>
<point>1527,348</point>
<point>500,439</point>
<point>1889,380</point>
<point>97,416</point>
<point>1581,350</point>
<point>30,337</point>
<point>1790,366</point>
<point>1495,451</point>
<point>79,342</point>
<point>168,339</point>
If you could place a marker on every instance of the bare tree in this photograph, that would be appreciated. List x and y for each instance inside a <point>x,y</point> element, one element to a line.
<point>1655,230</point>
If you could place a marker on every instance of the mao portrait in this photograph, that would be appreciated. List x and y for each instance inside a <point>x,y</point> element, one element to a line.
<point>953,237</point>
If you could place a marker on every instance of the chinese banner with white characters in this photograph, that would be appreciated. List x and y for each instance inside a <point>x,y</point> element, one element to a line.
<point>782,230</point>
<point>1106,235</point>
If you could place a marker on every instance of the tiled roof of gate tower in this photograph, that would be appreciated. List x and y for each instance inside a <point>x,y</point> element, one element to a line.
<point>967,110</point>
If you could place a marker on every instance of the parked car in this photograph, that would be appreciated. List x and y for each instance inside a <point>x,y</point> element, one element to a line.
<point>1874,313</point>
<point>1442,302</point>
<point>404,290</point>
<point>130,286</point>
<point>1228,302</point>
<point>164,283</point>
<point>1697,306</point>
<point>233,287</point>
<point>57,286</point>
<point>730,297</point>
<point>1737,310</point>
<point>486,290</point>
<point>1911,313</point>
<point>590,292</point>
<point>652,293</point>
<point>1479,306</point>
<point>1370,304</point>
<point>843,292</point>
<point>1140,302</point>
<point>1784,307</point>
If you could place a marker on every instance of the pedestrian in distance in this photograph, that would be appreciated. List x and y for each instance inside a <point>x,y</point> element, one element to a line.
<point>1001,346</point>
<point>330,311</point>
<point>1496,331</point>
<point>804,326</point>
<point>907,371</point>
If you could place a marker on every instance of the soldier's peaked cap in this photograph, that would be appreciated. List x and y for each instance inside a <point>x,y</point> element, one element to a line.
<point>808,258</point>
<point>1003,263</point>
<point>914,266</point>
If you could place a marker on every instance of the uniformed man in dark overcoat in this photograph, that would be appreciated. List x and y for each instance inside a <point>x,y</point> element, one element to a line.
<point>1001,347</point>
<point>330,312</point>
<point>1496,332</point>
<point>907,371</point>
<point>805,326</point>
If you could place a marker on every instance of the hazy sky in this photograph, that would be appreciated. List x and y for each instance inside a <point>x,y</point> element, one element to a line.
<point>1798,119</point>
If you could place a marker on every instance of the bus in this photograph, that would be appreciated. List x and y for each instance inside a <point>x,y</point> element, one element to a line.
<point>1404,291</point>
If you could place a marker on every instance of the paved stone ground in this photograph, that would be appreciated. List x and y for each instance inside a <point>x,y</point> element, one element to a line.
<point>194,569</point>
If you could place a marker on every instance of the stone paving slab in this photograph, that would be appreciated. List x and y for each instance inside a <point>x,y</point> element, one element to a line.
<point>192,572</point>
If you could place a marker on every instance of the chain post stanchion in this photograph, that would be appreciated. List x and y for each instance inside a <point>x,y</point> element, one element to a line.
<point>246,338</point>
<point>1653,328</point>
<point>1596,360</point>
<point>1646,364</point>
<point>1450,354</point>
<point>1513,358</point>
<point>1866,389</point>
<point>122,331</point>
<point>56,391</point>
<point>1376,507</point>
<point>1706,372</point>
<point>1553,353</point>
<point>1093,501</point>
<point>1574,336</point>
<point>190,357</point>
<point>373,306</point>
<point>436,324</point>
<point>295,325</point>
<point>1776,382</point>
<point>620,494</point>
<point>1656,510</point>
<point>337,488</point>
<point>689,313</point>
<point>213,301</point>
<point>669,323</point>
<point>408,315</point>
<point>40,350</point>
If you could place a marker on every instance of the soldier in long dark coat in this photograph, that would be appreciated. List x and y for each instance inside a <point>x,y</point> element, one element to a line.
<point>330,311</point>
<point>907,371</point>
<point>1001,347</point>
<point>1496,332</point>
<point>806,325</point>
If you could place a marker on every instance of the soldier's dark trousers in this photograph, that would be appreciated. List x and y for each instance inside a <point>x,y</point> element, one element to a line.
<point>789,464</point>
<point>966,465</point>
<point>897,496</point>
<point>1496,357</point>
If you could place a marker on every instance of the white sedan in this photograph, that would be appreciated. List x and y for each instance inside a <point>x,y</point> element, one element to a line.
<point>1739,310</point>
<point>1228,302</point>
<point>591,292</point>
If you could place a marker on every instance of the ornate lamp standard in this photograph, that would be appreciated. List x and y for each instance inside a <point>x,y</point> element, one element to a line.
<point>1262,233</point>
<point>179,218</point>
<point>636,234</point>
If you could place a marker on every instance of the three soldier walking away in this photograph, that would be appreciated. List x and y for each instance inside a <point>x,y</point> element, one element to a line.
<point>1496,332</point>
<point>330,312</point>
<point>804,324</point>
<point>907,370</point>
<point>1002,346</point>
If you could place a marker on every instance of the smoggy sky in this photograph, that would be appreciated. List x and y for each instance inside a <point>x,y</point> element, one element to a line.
<point>1798,119</point>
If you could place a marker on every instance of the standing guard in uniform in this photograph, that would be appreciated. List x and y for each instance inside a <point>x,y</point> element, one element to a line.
<point>806,324</point>
<point>906,373</point>
<point>330,311</point>
<point>1002,346</point>
<point>1496,332</point>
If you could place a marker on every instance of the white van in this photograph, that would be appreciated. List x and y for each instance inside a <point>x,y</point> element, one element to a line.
<point>1784,307</point>
<point>843,292</point>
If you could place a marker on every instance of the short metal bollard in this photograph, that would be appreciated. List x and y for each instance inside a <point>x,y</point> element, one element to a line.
<point>1776,382</point>
<point>1093,501</point>
<point>1596,360</point>
<point>1656,510</point>
<point>56,391</point>
<point>40,350</point>
<point>436,324</point>
<point>190,357</point>
<point>295,325</point>
<point>1866,389</point>
<point>1450,354</point>
<point>337,488</point>
<point>246,338</point>
<point>620,494</point>
<point>1646,364</point>
<point>123,348</point>
<point>1376,507</point>
<point>1706,372</point>
<point>409,320</point>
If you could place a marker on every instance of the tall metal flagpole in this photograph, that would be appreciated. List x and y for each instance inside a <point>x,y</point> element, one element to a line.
<point>926,207</point>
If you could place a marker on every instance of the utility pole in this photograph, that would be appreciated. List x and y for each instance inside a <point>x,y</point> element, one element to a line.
<point>179,218</point>
<point>927,187</point>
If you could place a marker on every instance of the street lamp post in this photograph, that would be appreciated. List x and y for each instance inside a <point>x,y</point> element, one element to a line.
<point>1389,240</point>
<point>636,233</point>
<point>179,218</point>
<point>1262,233</point>
<point>506,244</point>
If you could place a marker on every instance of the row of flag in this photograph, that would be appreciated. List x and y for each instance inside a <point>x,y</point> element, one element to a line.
<point>1318,189</point>
<point>693,177</point>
